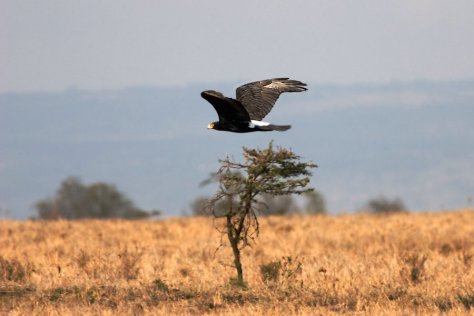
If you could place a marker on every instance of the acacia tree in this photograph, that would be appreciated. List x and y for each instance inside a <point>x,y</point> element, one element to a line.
<point>269,171</point>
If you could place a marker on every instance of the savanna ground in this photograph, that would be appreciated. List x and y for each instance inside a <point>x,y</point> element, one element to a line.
<point>307,265</point>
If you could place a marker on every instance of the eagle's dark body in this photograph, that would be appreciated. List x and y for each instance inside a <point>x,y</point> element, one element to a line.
<point>253,102</point>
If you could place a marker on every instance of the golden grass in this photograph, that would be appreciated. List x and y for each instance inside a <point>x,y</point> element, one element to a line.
<point>305,265</point>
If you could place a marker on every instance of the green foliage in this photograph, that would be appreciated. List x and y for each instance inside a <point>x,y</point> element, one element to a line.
<point>270,272</point>
<point>285,271</point>
<point>75,200</point>
<point>13,270</point>
<point>414,269</point>
<point>467,299</point>
<point>266,173</point>
<point>160,285</point>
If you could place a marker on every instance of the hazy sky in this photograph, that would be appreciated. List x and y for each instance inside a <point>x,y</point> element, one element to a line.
<point>58,44</point>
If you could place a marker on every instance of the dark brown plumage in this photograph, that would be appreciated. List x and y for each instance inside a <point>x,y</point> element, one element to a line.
<point>253,102</point>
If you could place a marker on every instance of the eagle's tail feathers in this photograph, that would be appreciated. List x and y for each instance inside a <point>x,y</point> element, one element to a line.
<point>272,127</point>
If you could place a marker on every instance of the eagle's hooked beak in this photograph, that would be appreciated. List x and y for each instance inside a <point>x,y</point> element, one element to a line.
<point>210,126</point>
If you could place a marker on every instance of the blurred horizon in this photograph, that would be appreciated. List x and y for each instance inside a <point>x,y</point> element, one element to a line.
<point>400,140</point>
<point>109,91</point>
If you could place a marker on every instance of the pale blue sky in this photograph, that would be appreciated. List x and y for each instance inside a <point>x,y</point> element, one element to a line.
<point>108,44</point>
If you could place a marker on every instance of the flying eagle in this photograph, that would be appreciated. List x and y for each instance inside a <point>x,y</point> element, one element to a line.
<point>253,102</point>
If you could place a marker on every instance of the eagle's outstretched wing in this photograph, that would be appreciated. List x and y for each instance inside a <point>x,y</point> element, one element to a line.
<point>227,109</point>
<point>259,97</point>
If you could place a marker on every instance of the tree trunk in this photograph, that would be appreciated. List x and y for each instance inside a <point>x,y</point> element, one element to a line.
<point>234,243</point>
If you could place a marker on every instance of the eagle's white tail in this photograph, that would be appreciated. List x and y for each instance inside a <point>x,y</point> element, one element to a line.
<point>265,126</point>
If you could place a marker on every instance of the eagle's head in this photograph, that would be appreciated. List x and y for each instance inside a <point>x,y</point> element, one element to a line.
<point>213,125</point>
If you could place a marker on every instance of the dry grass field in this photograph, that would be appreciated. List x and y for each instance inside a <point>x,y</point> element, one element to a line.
<point>401,264</point>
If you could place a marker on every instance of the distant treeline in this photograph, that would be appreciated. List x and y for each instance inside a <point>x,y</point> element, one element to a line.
<point>75,200</point>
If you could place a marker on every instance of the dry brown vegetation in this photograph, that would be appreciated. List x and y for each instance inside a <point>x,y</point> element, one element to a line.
<point>305,265</point>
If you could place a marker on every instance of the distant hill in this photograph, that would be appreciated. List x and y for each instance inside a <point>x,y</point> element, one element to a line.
<point>413,140</point>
